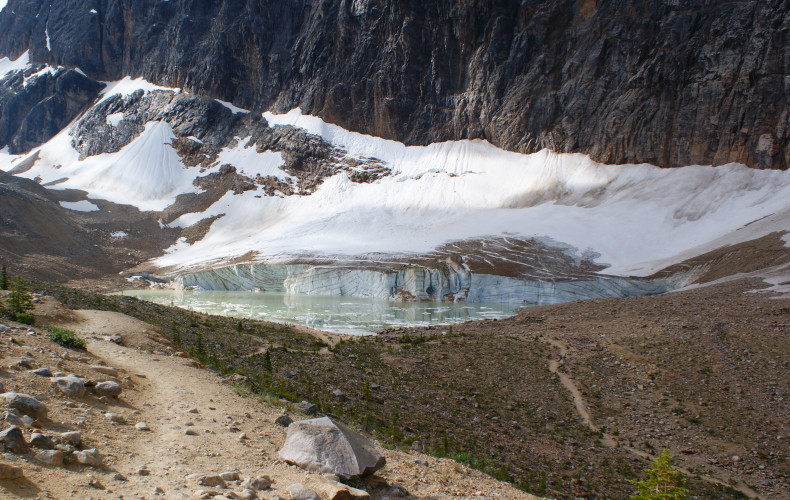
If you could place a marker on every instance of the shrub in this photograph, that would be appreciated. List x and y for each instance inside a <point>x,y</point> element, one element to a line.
<point>25,318</point>
<point>66,338</point>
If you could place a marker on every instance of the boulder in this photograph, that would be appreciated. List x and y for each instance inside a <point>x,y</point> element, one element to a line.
<point>13,440</point>
<point>26,404</point>
<point>70,385</point>
<point>50,457</point>
<point>108,388</point>
<point>322,445</point>
<point>13,419</point>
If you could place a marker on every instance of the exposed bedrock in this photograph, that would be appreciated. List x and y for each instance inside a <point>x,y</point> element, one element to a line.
<point>660,81</point>
<point>443,283</point>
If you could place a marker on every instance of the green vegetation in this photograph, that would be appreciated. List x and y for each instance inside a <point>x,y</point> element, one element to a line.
<point>4,279</point>
<point>663,482</point>
<point>20,302</point>
<point>66,338</point>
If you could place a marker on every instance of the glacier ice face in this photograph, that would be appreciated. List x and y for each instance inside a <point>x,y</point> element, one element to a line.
<point>418,283</point>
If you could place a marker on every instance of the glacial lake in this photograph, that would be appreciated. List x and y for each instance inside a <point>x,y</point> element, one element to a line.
<point>350,315</point>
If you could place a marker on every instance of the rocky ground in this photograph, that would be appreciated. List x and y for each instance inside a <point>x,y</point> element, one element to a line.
<point>175,430</point>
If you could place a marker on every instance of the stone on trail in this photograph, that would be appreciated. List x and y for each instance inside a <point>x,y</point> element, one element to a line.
<point>88,457</point>
<point>322,445</point>
<point>10,472</point>
<point>259,483</point>
<point>13,419</point>
<point>26,404</point>
<point>106,370</point>
<point>70,385</point>
<point>210,480</point>
<point>284,421</point>
<point>72,437</point>
<point>13,440</point>
<point>339,491</point>
<point>142,426</point>
<point>298,491</point>
<point>41,441</point>
<point>115,417</point>
<point>245,494</point>
<point>42,372</point>
<point>50,457</point>
<point>232,475</point>
<point>108,388</point>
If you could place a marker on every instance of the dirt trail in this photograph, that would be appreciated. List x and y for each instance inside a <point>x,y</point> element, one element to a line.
<point>169,393</point>
<point>609,440</point>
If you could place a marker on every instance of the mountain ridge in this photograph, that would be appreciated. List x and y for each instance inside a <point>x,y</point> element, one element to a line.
<point>631,82</point>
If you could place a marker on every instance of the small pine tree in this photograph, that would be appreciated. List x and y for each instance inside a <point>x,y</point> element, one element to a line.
<point>4,279</point>
<point>663,482</point>
<point>267,363</point>
<point>19,300</point>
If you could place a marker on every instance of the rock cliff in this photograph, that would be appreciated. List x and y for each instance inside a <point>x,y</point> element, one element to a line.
<point>661,81</point>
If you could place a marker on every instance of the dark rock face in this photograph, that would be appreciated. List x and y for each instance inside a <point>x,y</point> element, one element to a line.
<point>35,105</point>
<point>662,81</point>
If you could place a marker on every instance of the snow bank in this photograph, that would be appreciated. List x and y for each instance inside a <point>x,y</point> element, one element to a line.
<point>637,217</point>
<point>7,65</point>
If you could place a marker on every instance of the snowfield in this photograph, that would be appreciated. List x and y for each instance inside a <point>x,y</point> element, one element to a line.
<point>637,218</point>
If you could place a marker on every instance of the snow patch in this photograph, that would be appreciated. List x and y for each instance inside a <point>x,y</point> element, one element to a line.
<point>114,119</point>
<point>119,234</point>
<point>7,65</point>
<point>129,86</point>
<point>250,162</point>
<point>79,206</point>
<point>231,107</point>
<point>46,33</point>
<point>3,3</point>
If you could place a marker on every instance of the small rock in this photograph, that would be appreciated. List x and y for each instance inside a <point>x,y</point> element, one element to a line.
<point>10,472</point>
<point>72,437</point>
<point>95,483</point>
<point>27,405</point>
<point>210,480</point>
<point>41,441</point>
<point>142,426</point>
<point>24,363</point>
<point>13,440</point>
<point>116,339</point>
<point>88,457</point>
<point>119,477</point>
<point>13,419</point>
<point>108,388</point>
<point>230,475</point>
<point>397,491</point>
<point>243,436</point>
<point>259,483</point>
<point>193,410</point>
<point>106,370</point>
<point>144,472</point>
<point>307,408</point>
<point>50,457</point>
<point>736,458</point>
<point>243,495</point>
<point>115,417</point>
<point>43,372</point>
<point>298,491</point>
<point>191,432</point>
<point>338,491</point>
<point>283,421</point>
<point>158,491</point>
<point>70,385</point>
<point>27,420</point>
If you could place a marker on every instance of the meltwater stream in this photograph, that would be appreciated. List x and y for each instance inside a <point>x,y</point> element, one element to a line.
<point>341,314</point>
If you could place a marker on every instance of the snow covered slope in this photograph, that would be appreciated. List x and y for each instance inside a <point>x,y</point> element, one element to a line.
<point>636,218</point>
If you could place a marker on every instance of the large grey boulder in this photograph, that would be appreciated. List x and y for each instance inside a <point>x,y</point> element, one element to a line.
<point>323,445</point>
<point>26,404</point>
